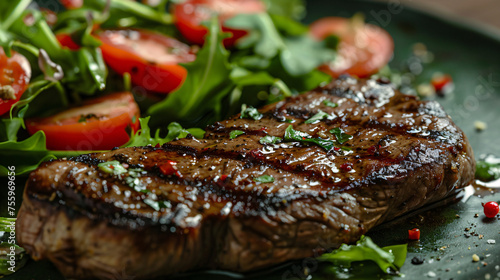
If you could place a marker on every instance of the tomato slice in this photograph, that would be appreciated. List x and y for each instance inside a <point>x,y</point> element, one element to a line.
<point>98,124</point>
<point>363,48</point>
<point>151,59</point>
<point>15,75</point>
<point>191,14</point>
<point>72,4</point>
<point>66,41</point>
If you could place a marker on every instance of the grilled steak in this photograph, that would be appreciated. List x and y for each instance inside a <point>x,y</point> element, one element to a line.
<point>229,202</point>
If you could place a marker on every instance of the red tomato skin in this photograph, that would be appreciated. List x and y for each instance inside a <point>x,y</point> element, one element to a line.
<point>66,41</point>
<point>15,71</point>
<point>414,234</point>
<point>191,28</point>
<point>355,60</point>
<point>160,78</point>
<point>439,82</point>
<point>105,134</point>
<point>491,209</point>
<point>72,4</point>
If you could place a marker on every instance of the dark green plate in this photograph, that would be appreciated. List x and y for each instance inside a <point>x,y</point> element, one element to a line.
<point>472,57</point>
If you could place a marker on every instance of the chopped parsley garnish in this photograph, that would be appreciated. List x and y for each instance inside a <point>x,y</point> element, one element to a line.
<point>340,135</point>
<point>235,133</point>
<point>330,103</point>
<point>318,117</point>
<point>299,136</point>
<point>270,140</point>
<point>264,179</point>
<point>250,113</point>
<point>157,205</point>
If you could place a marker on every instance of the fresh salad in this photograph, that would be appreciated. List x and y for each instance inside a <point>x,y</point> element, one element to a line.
<point>99,74</point>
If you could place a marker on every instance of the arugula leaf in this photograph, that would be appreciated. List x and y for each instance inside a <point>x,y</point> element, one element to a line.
<point>264,179</point>
<point>330,103</point>
<point>294,9</point>
<point>136,13</point>
<point>292,135</point>
<point>366,250</point>
<point>205,86</point>
<point>299,55</point>
<point>143,136</point>
<point>25,155</point>
<point>288,26</point>
<point>250,113</point>
<point>235,133</point>
<point>318,117</point>
<point>268,139</point>
<point>488,169</point>
<point>340,135</point>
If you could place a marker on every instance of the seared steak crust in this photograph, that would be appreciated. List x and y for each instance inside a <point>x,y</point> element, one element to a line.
<point>404,153</point>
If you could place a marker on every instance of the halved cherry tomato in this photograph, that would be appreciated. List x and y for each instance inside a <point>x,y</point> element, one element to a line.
<point>66,41</point>
<point>191,14</point>
<point>151,59</point>
<point>15,75</point>
<point>363,48</point>
<point>72,4</point>
<point>98,124</point>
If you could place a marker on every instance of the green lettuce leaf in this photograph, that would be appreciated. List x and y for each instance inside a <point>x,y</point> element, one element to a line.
<point>388,259</point>
<point>299,55</point>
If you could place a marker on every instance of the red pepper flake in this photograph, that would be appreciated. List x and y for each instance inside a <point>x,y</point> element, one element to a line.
<point>414,234</point>
<point>346,167</point>
<point>223,178</point>
<point>157,145</point>
<point>170,168</point>
<point>336,148</point>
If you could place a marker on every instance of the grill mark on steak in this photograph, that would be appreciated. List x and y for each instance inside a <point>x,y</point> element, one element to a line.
<point>318,199</point>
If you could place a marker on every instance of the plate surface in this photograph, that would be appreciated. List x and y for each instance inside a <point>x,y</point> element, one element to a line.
<point>472,58</point>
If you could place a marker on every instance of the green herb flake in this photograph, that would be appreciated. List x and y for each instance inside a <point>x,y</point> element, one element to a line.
<point>330,103</point>
<point>340,135</point>
<point>389,259</point>
<point>112,167</point>
<point>264,179</point>
<point>157,205</point>
<point>318,117</point>
<point>235,133</point>
<point>292,135</point>
<point>250,113</point>
<point>268,139</point>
